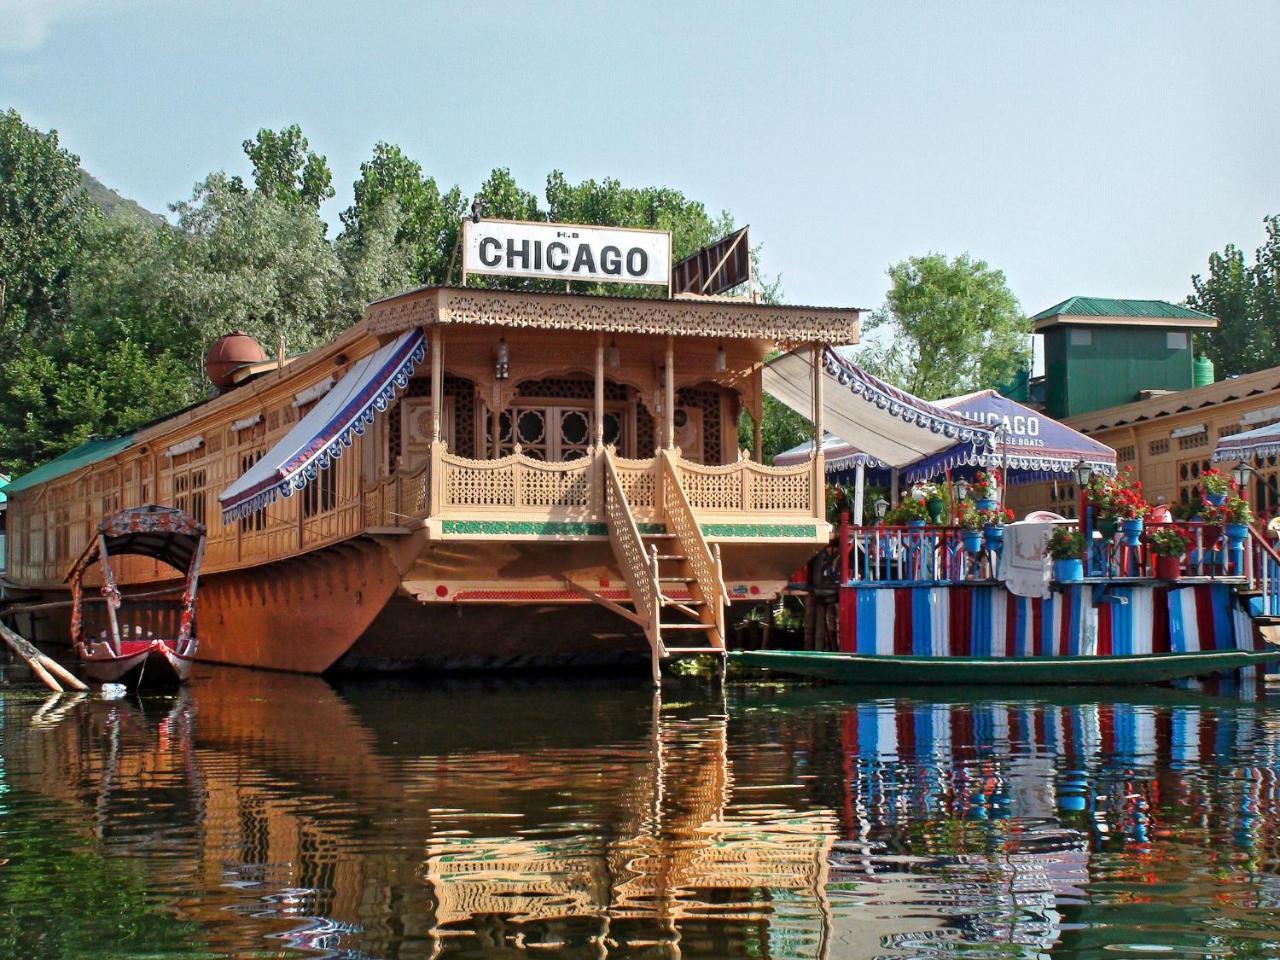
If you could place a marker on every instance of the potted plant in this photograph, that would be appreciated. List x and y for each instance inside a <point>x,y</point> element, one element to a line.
<point>971,523</point>
<point>911,512</point>
<point>1100,493</point>
<point>1236,515</point>
<point>931,496</point>
<point>1066,549</point>
<point>838,501</point>
<point>983,491</point>
<point>1169,544</point>
<point>1129,507</point>
<point>1215,486</point>
<point>993,522</point>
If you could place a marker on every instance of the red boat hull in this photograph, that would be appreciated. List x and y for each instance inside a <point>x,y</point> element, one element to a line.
<point>152,662</point>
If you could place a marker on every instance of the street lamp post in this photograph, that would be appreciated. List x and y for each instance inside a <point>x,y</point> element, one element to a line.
<point>1082,473</point>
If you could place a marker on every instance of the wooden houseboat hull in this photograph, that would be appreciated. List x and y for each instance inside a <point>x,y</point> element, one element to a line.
<point>998,671</point>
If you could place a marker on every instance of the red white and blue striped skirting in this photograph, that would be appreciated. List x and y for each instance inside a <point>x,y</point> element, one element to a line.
<point>1084,620</point>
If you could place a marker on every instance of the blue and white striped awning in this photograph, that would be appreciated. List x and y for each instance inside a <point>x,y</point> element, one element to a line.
<point>1259,442</point>
<point>328,428</point>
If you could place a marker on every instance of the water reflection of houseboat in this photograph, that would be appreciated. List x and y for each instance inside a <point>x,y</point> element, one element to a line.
<point>783,829</point>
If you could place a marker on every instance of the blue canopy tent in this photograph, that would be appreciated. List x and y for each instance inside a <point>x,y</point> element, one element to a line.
<point>1028,447</point>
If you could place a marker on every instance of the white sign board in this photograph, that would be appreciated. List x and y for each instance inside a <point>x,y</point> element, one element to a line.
<point>561,251</point>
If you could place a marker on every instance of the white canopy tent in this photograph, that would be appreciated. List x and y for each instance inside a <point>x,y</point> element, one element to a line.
<point>890,427</point>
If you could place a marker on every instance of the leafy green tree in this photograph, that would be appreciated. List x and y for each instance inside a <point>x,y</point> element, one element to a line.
<point>947,327</point>
<point>1245,297</point>
<point>249,261</point>
<point>426,218</point>
<point>284,167</point>
<point>86,380</point>
<point>43,214</point>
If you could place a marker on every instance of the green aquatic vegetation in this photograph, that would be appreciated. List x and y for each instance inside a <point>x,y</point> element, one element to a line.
<point>60,896</point>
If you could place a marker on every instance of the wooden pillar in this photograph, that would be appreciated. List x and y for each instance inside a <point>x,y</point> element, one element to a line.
<point>757,415</point>
<point>437,382</point>
<point>599,410</point>
<point>819,466</point>
<point>669,395</point>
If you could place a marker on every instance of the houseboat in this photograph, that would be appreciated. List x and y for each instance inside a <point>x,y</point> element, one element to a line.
<point>466,478</point>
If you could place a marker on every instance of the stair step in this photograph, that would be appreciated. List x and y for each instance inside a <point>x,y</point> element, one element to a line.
<point>677,579</point>
<point>687,626</point>
<point>657,536</point>
<point>671,556</point>
<point>669,602</point>
<point>671,650</point>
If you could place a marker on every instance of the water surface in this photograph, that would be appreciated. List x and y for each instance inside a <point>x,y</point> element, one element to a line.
<point>260,815</point>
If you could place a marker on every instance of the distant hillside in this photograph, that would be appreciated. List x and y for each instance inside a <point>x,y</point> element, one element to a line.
<point>109,202</point>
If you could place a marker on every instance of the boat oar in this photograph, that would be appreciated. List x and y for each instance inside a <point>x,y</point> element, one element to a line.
<point>43,667</point>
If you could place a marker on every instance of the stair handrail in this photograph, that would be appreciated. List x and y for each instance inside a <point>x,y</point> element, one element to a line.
<point>702,561</point>
<point>628,549</point>
<point>1263,560</point>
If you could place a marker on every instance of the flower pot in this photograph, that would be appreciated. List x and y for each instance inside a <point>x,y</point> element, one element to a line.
<point>1168,568</point>
<point>1107,526</point>
<point>916,524</point>
<point>984,504</point>
<point>1216,499</point>
<point>1236,532</point>
<point>936,507</point>
<point>1069,570</point>
<point>1132,530</point>
<point>994,536</point>
<point>972,540</point>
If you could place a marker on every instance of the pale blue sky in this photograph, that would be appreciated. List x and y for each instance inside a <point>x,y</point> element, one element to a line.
<point>1093,148</point>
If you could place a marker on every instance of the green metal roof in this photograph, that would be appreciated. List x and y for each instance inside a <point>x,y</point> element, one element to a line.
<point>1107,307</point>
<point>88,452</point>
<point>4,478</point>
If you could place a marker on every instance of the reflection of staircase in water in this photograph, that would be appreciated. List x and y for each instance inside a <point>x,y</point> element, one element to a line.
<point>688,856</point>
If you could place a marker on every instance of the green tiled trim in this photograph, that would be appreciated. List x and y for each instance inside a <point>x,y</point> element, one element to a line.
<point>760,531</point>
<point>525,528</point>
<point>563,528</point>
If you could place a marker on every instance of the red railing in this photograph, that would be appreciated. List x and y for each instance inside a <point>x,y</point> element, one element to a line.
<point>947,554</point>
<point>1210,553</point>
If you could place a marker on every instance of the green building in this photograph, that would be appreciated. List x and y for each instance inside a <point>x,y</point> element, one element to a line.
<point>1101,353</point>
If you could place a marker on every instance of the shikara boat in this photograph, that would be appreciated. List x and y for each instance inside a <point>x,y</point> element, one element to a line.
<point>147,638</point>
<point>1003,671</point>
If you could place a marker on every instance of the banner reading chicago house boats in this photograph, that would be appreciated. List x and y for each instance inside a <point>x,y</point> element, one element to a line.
<point>566,252</point>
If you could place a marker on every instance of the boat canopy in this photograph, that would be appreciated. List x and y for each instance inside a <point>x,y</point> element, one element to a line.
<point>1027,445</point>
<point>166,534</point>
<point>319,438</point>
<point>886,426</point>
<point>1259,442</point>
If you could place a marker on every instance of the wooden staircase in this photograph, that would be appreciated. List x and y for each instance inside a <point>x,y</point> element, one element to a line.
<point>673,577</point>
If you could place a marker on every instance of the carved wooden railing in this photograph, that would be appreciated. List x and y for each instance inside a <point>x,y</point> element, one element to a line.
<point>639,480</point>
<point>704,564</point>
<point>639,569</point>
<point>748,487</point>
<point>516,482</point>
<point>399,497</point>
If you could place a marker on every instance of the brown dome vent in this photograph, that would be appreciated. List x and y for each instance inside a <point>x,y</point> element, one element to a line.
<point>228,353</point>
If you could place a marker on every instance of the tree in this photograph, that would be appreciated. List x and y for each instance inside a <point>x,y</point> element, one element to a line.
<point>947,327</point>
<point>1246,300</point>
<point>43,215</point>
<point>426,219</point>
<point>285,168</point>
